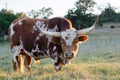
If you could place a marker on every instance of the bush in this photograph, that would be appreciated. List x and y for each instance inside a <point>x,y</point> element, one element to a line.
<point>112,26</point>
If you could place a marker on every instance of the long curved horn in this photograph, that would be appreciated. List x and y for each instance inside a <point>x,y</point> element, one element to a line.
<point>87,30</point>
<point>48,33</point>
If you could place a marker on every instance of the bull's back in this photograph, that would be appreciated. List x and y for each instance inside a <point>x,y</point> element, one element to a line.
<point>21,31</point>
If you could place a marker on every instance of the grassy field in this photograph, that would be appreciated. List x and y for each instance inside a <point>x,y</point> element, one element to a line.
<point>98,59</point>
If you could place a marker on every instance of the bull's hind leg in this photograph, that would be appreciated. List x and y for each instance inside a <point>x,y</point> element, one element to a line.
<point>14,65</point>
<point>17,58</point>
<point>18,63</point>
<point>27,61</point>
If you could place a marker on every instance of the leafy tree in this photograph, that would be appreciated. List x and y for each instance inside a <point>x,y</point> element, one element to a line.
<point>33,14</point>
<point>109,15</point>
<point>6,17</point>
<point>45,12</point>
<point>42,13</point>
<point>85,5</point>
<point>1,35</point>
<point>6,11</point>
<point>21,15</point>
<point>80,16</point>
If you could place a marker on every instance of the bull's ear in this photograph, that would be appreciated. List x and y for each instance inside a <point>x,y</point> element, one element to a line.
<point>55,40</point>
<point>83,38</point>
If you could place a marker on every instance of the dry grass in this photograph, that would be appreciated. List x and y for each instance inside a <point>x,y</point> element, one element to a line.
<point>98,59</point>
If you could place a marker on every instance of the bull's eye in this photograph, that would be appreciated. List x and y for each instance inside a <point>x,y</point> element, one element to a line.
<point>75,40</point>
<point>66,38</point>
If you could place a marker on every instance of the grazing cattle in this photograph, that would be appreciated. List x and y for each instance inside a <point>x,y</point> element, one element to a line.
<point>51,38</point>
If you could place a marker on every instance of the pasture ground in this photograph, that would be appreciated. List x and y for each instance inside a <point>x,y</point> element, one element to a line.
<point>98,59</point>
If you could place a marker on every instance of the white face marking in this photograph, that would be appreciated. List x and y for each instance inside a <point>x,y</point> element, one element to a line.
<point>68,36</point>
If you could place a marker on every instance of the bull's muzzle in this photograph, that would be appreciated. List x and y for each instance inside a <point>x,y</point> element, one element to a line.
<point>69,55</point>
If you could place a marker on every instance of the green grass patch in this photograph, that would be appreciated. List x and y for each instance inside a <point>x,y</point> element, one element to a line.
<point>97,59</point>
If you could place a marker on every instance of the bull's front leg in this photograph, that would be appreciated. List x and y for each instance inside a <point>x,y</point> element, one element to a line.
<point>58,63</point>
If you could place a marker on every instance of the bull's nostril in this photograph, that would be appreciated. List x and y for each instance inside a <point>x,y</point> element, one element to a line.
<point>72,54</point>
<point>69,55</point>
<point>66,54</point>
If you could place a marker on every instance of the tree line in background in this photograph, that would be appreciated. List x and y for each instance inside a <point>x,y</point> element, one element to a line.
<point>81,16</point>
<point>7,16</point>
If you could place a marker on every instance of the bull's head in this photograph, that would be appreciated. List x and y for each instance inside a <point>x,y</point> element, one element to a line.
<point>69,40</point>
